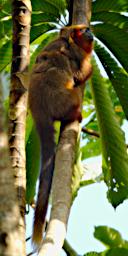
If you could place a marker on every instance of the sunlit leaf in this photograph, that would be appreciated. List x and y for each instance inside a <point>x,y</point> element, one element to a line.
<point>32,164</point>
<point>110,5</point>
<point>115,252</point>
<point>110,237</point>
<point>117,76</point>
<point>115,39</point>
<point>114,152</point>
<point>113,18</point>
<point>38,30</point>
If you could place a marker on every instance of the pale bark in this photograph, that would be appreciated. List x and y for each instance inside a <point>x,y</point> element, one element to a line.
<point>61,191</point>
<point>9,211</point>
<point>21,16</point>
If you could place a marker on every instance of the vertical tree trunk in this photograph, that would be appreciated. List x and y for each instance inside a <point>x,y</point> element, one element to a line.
<point>9,211</point>
<point>64,162</point>
<point>21,16</point>
<point>81,12</point>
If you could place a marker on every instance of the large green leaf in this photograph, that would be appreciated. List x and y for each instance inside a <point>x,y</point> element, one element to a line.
<point>114,152</point>
<point>38,30</point>
<point>42,17</point>
<point>115,39</point>
<point>44,6</point>
<point>110,5</point>
<point>113,18</point>
<point>29,126</point>
<point>60,5</point>
<point>55,7</point>
<point>110,237</point>
<point>117,76</point>
<point>32,164</point>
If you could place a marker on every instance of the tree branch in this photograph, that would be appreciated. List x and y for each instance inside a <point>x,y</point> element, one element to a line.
<point>21,16</point>
<point>68,249</point>
<point>65,157</point>
<point>9,210</point>
<point>90,132</point>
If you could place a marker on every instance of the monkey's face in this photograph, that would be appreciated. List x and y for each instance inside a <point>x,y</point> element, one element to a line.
<point>83,38</point>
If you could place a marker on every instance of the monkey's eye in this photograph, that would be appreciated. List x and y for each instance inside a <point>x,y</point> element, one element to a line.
<point>82,30</point>
<point>87,29</point>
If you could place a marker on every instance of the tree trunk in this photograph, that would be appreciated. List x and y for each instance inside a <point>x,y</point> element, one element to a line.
<point>64,162</point>
<point>21,16</point>
<point>9,211</point>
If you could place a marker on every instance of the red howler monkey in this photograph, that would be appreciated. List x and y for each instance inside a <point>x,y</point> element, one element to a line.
<point>54,94</point>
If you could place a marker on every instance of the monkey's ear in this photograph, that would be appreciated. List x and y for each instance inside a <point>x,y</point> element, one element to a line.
<point>65,32</point>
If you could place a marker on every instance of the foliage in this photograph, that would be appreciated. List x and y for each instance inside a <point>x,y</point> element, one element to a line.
<point>113,241</point>
<point>32,160</point>
<point>110,237</point>
<point>115,158</point>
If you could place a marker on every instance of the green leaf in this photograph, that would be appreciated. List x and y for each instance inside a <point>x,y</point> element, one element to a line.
<point>117,76</point>
<point>115,252</point>
<point>29,126</point>
<point>5,28</point>
<point>110,237</point>
<point>113,18</point>
<point>5,55</point>
<point>42,17</point>
<point>5,6</point>
<point>32,164</point>
<point>45,6</point>
<point>60,5</point>
<point>110,5</point>
<point>77,170</point>
<point>38,30</point>
<point>114,152</point>
<point>115,39</point>
<point>92,254</point>
<point>111,252</point>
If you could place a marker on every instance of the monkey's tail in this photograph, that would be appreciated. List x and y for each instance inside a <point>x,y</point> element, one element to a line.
<point>46,132</point>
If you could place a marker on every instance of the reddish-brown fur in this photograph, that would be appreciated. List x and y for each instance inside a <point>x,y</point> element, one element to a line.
<point>54,94</point>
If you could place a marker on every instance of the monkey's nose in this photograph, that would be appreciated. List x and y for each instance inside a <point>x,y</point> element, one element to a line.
<point>90,36</point>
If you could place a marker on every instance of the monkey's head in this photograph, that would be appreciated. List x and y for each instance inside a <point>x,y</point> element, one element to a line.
<point>81,35</point>
<point>83,38</point>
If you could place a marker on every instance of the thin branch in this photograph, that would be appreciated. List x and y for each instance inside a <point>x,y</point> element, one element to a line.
<point>91,132</point>
<point>28,238</point>
<point>31,253</point>
<point>68,249</point>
